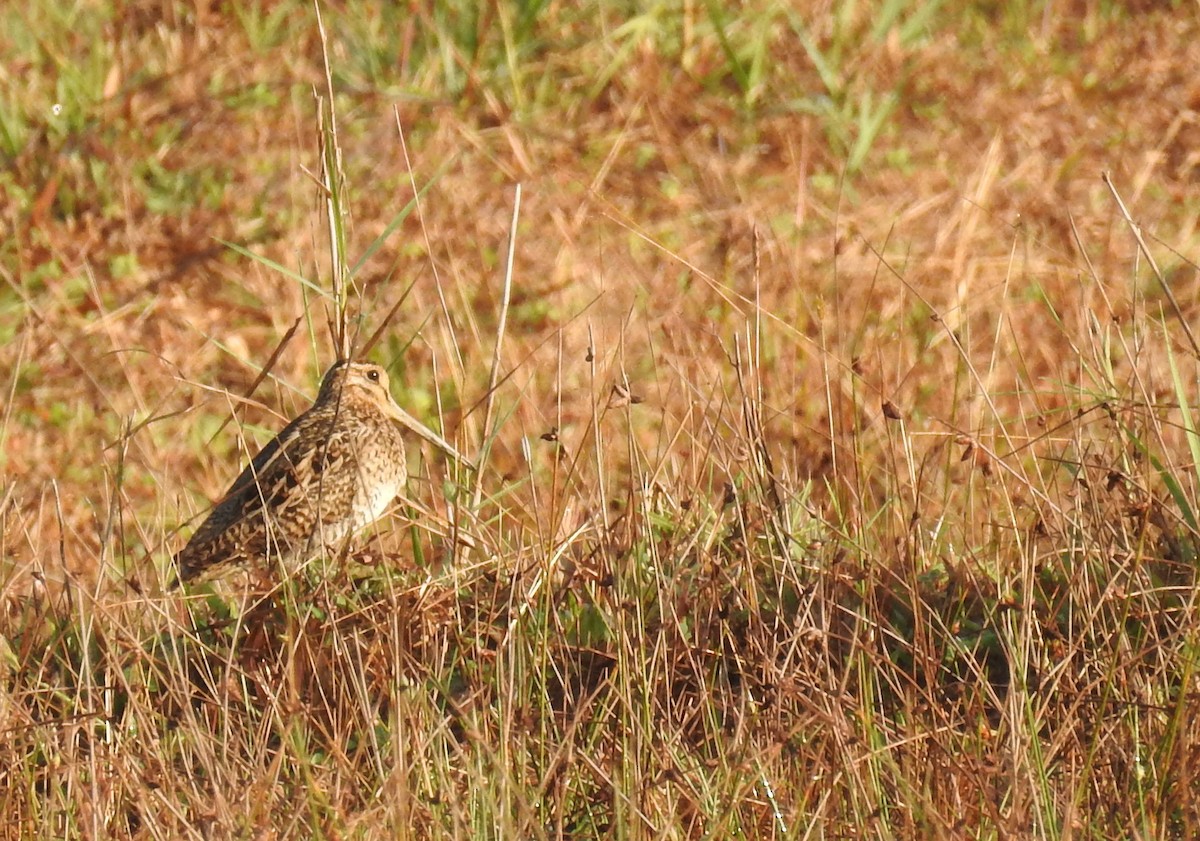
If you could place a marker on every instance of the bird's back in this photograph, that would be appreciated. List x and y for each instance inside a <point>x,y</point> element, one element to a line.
<point>261,514</point>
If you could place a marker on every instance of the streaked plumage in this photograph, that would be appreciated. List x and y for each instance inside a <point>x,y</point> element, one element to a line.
<point>331,471</point>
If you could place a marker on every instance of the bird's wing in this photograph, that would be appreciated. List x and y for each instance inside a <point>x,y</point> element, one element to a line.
<point>276,480</point>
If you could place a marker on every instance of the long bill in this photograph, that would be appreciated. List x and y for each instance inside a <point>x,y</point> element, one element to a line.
<point>414,425</point>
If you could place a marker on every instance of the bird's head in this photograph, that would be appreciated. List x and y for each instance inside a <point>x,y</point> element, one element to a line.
<point>368,381</point>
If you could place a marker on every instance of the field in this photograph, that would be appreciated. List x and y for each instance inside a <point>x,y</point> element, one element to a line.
<point>830,368</point>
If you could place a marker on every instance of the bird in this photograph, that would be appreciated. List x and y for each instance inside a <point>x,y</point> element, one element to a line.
<point>333,470</point>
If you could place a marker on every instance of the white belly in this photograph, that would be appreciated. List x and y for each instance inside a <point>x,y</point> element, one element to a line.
<point>375,501</point>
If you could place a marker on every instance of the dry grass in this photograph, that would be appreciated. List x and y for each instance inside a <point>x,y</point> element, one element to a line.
<point>842,476</point>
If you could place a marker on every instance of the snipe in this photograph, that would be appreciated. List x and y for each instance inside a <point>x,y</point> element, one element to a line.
<point>331,471</point>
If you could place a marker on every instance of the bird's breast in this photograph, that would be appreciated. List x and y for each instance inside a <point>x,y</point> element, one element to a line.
<point>382,473</point>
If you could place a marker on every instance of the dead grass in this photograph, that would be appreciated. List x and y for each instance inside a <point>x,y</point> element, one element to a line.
<point>819,501</point>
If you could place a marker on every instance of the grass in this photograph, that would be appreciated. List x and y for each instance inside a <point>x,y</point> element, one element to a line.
<point>839,477</point>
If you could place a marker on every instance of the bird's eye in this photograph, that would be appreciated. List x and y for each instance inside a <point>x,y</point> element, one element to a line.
<point>373,376</point>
